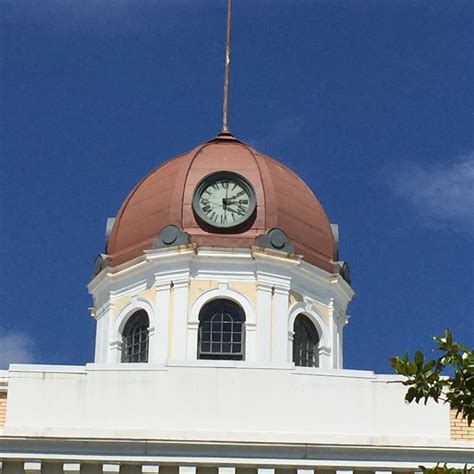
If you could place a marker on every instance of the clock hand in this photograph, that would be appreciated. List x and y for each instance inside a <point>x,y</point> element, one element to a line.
<point>225,200</point>
<point>241,193</point>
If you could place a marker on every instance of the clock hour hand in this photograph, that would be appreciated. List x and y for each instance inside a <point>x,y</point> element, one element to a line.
<point>239,211</point>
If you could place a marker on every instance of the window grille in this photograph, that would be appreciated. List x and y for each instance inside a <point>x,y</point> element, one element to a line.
<point>135,338</point>
<point>305,343</point>
<point>221,331</point>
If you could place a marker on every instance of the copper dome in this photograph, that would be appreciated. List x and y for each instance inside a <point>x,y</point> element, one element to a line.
<point>165,196</point>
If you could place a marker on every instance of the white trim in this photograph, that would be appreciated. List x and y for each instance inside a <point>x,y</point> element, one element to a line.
<point>129,290</point>
<point>115,335</point>
<point>227,293</point>
<point>324,346</point>
<point>329,455</point>
<point>313,315</point>
<point>71,467</point>
<point>32,467</point>
<point>131,308</point>
<point>187,469</point>
<point>150,469</point>
<point>111,468</point>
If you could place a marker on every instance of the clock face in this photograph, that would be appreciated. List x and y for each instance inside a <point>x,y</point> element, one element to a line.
<point>224,199</point>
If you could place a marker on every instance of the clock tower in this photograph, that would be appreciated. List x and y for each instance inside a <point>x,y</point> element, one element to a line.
<point>221,253</point>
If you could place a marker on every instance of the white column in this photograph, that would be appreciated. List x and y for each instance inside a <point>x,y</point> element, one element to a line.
<point>98,340</point>
<point>250,342</point>
<point>266,470</point>
<point>180,315</point>
<point>280,324</point>
<point>71,468</point>
<point>150,469</point>
<point>340,320</point>
<point>264,321</point>
<point>187,469</point>
<point>102,336</point>
<point>192,340</point>
<point>226,470</point>
<point>305,471</point>
<point>32,467</point>
<point>159,344</point>
<point>112,340</point>
<point>328,356</point>
<point>111,468</point>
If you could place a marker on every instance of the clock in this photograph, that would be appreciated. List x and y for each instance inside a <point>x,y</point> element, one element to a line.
<point>224,200</point>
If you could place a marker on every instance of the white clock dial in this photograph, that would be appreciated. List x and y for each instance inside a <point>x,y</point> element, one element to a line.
<point>224,200</point>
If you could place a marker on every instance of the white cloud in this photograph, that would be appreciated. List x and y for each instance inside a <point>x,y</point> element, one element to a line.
<point>443,195</point>
<point>15,347</point>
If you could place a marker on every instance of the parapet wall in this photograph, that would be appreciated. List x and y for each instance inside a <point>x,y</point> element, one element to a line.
<point>219,401</point>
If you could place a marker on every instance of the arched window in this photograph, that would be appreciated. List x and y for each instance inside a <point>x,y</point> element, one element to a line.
<point>305,342</point>
<point>221,331</point>
<point>135,338</point>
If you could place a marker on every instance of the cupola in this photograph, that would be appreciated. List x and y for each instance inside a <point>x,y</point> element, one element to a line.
<point>279,198</point>
<point>221,255</point>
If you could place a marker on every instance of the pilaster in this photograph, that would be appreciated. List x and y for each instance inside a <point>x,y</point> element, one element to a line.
<point>264,321</point>
<point>159,351</point>
<point>180,296</point>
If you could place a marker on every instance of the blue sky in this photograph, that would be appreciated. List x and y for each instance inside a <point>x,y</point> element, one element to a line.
<point>370,102</point>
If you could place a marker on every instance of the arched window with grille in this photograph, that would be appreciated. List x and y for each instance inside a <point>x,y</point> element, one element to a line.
<point>305,342</point>
<point>135,338</point>
<point>221,331</point>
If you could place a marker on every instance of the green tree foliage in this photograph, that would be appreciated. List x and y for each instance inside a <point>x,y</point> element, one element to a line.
<point>445,470</point>
<point>449,379</point>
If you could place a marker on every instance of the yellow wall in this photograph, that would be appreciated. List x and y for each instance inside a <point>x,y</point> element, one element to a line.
<point>147,294</point>
<point>197,287</point>
<point>3,407</point>
<point>460,429</point>
<point>295,297</point>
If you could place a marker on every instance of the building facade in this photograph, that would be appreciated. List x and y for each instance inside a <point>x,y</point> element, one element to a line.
<point>220,305</point>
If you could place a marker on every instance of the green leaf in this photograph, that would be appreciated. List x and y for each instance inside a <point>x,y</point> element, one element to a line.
<point>419,358</point>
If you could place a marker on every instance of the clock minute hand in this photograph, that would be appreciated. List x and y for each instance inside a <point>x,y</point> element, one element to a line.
<point>241,193</point>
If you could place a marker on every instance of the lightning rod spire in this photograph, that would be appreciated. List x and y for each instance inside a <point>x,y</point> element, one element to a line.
<point>225,114</point>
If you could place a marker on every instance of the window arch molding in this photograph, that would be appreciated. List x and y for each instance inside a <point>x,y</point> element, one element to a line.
<point>125,314</point>
<point>307,310</point>
<point>222,292</point>
<point>225,293</point>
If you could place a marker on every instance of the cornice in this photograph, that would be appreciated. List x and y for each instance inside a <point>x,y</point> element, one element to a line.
<point>333,451</point>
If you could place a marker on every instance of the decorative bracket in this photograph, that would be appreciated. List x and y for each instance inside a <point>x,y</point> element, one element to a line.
<point>275,239</point>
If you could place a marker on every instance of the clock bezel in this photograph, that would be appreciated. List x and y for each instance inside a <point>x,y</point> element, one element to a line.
<point>218,176</point>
